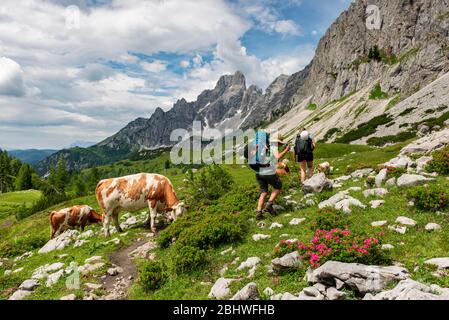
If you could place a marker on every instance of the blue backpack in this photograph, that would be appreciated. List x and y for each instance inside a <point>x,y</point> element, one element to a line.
<point>257,152</point>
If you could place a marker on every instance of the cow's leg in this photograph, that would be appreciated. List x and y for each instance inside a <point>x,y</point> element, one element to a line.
<point>116,222</point>
<point>152,216</point>
<point>53,232</point>
<point>106,221</point>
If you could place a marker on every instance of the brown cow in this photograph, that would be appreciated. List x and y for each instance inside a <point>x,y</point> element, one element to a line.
<point>136,192</point>
<point>69,218</point>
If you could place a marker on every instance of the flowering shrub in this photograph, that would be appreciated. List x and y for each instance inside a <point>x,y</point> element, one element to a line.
<point>337,245</point>
<point>440,162</point>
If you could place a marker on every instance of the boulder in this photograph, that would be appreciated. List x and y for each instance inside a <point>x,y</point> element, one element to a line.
<point>333,294</point>
<point>29,285</point>
<point>268,292</point>
<point>19,295</point>
<point>60,242</point>
<point>391,182</point>
<point>432,227</point>
<point>343,178</point>
<point>410,180</point>
<point>401,162</point>
<point>376,203</point>
<point>220,289</point>
<point>398,229</point>
<point>89,268</point>
<point>358,174</point>
<point>276,225</point>
<point>54,277</point>
<point>379,192</point>
<point>362,278</point>
<point>379,223</point>
<point>86,234</point>
<point>68,297</point>
<point>248,292</point>
<point>284,296</point>
<point>412,290</point>
<point>441,263</point>
<point>296,221</point>
<point>345,204</point>
<point>316,184</point>
<point>258,237</point>
<point>406,221</point>
<point>287,262</point>
<point>422,162</point>
<point>381,177</point>
<point>387,247</point>
<point>249,263</point>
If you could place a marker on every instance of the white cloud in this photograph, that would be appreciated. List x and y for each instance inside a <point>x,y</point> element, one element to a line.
<point>11,78</point>
<point>155,66</point>
<point>185,63</point>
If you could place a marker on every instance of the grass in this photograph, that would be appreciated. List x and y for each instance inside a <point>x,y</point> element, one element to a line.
<point>10,202</point>
<point>377,93</point>
<point>381,141</point>
<point>411,249</point>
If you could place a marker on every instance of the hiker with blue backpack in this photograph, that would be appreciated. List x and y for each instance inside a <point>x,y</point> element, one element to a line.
<point>263,157</point>
<point>304,147</point>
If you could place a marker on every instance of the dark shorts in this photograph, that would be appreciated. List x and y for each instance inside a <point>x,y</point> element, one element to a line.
<point>304,157</point>
<point>265,181</point>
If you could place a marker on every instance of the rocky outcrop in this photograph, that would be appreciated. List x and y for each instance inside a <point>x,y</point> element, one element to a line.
<point>412,290</point>
<point>361,278</point>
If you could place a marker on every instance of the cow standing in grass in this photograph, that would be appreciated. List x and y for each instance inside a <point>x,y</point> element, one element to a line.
<point>70,218</point>
<point>136,192</point>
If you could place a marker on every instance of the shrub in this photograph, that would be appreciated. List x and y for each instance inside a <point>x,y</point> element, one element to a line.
<point>186,259</point>
<point>364,129</point>
<point>328,219</point>
<point>337,245</point>
<point>312,106</point>
<point>430,198</point>
<point>152,275</point>
<point>440,162</point>
<point>400,137</point>
<point>209,184</point>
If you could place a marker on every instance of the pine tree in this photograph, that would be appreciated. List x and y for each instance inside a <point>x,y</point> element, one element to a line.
<point>80,186</point>
<point>24,178</point>
<point>93,179</point>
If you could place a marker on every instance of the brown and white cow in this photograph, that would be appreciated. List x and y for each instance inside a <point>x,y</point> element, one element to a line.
<point>136,192</point>
<point>70,218</point>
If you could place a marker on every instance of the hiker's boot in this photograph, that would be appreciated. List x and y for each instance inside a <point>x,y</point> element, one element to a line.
<point>259,216</point>
<point>269,208</point>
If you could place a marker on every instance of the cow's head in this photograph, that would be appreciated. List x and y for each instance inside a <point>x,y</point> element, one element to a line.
<point>95,217</point>
<point>176,211</point>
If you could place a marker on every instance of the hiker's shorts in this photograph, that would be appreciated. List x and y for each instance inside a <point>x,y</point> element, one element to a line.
<point>304,157</point>
<point>265,181</point>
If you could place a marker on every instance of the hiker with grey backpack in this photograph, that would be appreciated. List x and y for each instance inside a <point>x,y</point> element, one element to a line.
<point>304,147</point>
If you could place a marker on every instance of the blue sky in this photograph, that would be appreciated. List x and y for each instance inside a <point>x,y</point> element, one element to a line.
<point>82,69</point>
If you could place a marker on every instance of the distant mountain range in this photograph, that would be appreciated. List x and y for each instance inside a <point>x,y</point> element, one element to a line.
<point>362,84</point>
<point>31,156</point>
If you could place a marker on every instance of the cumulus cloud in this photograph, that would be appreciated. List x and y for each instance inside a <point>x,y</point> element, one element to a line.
<point>11,78</point>
<point>154,66</point>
